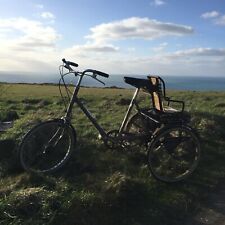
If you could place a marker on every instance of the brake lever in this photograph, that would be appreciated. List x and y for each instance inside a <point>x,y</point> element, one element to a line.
<point>67,67</point>
<point>99,80</point>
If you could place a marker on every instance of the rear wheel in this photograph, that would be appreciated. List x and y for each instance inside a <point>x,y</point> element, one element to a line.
<point>141,127</point>
<point>174,153</point>
<point>47,146</point>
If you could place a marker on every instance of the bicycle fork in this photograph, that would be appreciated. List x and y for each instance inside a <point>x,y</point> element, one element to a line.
<point>55,139</point>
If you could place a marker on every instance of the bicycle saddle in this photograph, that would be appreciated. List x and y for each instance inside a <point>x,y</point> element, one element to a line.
<point>141,83</point>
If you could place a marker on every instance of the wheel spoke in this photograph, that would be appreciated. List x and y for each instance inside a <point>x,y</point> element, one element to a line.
<point>174,153</point>
<point>139,125</point>
<point>46,147</point>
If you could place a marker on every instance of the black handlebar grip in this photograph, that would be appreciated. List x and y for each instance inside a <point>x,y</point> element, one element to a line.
<point>73,64</point>
<point>68,63</point>
<point>101,73</point>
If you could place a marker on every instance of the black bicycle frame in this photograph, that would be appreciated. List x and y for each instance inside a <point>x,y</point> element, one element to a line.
<point>75,99</point>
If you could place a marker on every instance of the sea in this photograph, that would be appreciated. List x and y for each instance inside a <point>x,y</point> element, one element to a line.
<point>172,82</point>
<point>193,83</point>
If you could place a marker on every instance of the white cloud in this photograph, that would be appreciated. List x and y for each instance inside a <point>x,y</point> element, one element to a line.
<point>96,48</point>
<point>131,28</point>
<point>199,52</point>
<point>136,28</point>
<point>158,3</point>
<point>216,17</point>
<point>161,47</point>
<point>47,15</point>
<point>26,43</point>
<point>131,49</point>
<point>39,6</point>
<point>31,34</point>
<point>196,61</point>
<point>220,20</point>
<point>90,48</point>
<point>211,14</point>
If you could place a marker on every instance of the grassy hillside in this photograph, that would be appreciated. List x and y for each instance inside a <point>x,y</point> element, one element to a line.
<point>100,186</point>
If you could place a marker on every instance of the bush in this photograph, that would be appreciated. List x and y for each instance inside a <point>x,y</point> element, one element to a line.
<point>8,116</point>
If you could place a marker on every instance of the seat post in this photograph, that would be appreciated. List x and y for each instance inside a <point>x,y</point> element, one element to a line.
<point>126,117</point>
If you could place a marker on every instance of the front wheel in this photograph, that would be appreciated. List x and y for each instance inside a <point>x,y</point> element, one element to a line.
<point>174,153</point>
<point>47,146</point>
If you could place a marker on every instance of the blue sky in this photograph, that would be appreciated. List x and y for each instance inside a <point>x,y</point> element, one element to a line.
<point>163,37</point>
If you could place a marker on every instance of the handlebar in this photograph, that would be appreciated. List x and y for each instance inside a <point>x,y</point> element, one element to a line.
<point>94,73</point>
<point>68,64</point>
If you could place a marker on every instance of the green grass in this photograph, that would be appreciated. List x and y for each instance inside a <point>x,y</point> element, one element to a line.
<point>100,186</point>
